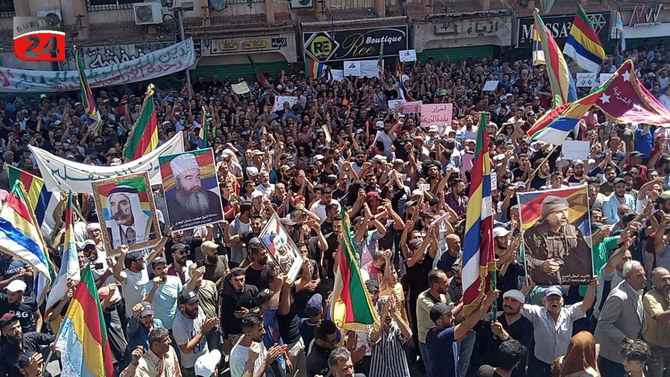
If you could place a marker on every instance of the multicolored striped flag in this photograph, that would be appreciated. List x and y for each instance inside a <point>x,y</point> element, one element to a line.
<point>144,135</point>
<point>69,267</point>
<point>313,68</point>
<point>204,130</point>
<point>87,99</point>
<point>259,74</point>
<point>20,237</point>
<point>620,98</point>
<point>619,27</point>
<point>557,68</point>
<point>350,306</point>
<point>538,53</point>
<point>82,338</point>
<point>583,44</point>
<point>478,252</point>
<point>42,202</point>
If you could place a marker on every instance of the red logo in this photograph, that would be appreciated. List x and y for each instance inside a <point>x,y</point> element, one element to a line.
<point>44,46</point>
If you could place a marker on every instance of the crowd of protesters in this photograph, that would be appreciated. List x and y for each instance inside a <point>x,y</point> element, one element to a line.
<point>212,301</point>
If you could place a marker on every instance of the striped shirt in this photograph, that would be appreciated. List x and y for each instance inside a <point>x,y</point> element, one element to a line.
<point>388,357</point>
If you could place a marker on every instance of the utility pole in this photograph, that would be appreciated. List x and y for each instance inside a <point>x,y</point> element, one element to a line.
<point>186,6</point>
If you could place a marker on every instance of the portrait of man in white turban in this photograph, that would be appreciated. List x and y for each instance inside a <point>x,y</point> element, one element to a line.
<point>127,224</point>
<point>191,204</point>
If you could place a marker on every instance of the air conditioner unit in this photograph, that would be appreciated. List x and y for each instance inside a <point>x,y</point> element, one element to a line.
<point>302,3</point>
<point>50,13</point>
<point>148,13</point>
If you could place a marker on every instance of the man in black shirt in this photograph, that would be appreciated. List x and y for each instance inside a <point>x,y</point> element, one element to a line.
<point>325,340</point>
<point>25,308</point>
<point>15,342</point>
<point>237,300</point>
<point>258,255</point>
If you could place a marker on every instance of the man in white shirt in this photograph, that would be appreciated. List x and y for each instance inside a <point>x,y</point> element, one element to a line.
<point>249,354</point>
<point>319,208</point>
<point>133,278</point>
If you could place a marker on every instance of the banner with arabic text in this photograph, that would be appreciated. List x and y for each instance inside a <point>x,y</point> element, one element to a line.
<point>61,174</point>
<point>158,63</point>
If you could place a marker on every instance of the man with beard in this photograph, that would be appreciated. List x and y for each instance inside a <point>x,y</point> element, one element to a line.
<point>162,292</point>
<point>180,262</point>
<point>656,319</point>
<point>237,300</point>
<point>258,256</point>
<point>577,177</point>
<point>319,208</point>
<point>128,224</point>
<point>552,326</point>
<point>540,178</point>
<point>160,360</point>
<point>15,342</point>
<point>456,199</point>
<point>556,251</point>
<point>132,279</point>
<point>216,266</point>
<point>140,325</point>
<point>610,174</point>
<point>189,329</point>
<point>618,198</point>
<point>510,325</point>
<point>190,200</point>
<point>249,356</point>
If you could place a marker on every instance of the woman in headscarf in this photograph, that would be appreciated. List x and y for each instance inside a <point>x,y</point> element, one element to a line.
<point>580,359</point>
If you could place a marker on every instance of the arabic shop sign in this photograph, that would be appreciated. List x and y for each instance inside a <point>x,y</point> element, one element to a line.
<point>497,29</point>
<point>226,46</point>
<point>559,27</point>
<point>325,46</point>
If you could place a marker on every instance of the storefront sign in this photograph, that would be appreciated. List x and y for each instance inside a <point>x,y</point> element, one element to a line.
<point>645,15</point>
<point>472,28</point>
<point>241,45</point>
<point>326,46</point>
<point>559,27</point>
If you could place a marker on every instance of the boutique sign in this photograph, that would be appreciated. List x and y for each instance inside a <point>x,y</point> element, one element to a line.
<point>327,46</point>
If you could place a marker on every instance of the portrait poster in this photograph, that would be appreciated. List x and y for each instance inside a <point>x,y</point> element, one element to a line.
<point>556,231</point>
<point>191,189</point>
<point>126,212</point>
<point>282,248</point>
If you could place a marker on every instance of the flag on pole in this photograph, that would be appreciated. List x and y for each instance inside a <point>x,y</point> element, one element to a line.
<point>87,99</point>
<point>82,338</point>
<point>478,253</point>
<point>20,237</point>
<point>557,68</point>
<point>204,130</point>
<point>621,98</point>
<point>314,68</point>
<point>619,27</point>
<point>538,53</point>
<point>41,201</point>
<point>583,44</point>
<point>144,136</point>
<point>350,307</point>
<point>259,74</point>
<point>69,266</point>
<point>380,60</point>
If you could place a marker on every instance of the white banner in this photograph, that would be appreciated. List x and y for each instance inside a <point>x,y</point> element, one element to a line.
<point>369,68</point>
<point>407,55</point>
<point>352,68</point>
<point>60,174</point>
<point>586,79</point>
<point>280,100</point>
<point>159,63</point>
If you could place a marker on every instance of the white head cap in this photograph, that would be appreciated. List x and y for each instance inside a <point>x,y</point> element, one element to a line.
<point>182,163</point>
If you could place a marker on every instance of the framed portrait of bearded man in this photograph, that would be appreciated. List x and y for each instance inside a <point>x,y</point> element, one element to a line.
<point>191,189</point>
<point>126,212</point>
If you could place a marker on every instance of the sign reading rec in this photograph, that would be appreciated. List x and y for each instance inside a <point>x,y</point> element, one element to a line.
<point>326,46</point>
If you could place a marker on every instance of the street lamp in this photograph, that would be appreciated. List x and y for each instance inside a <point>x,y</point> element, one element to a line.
<point>186,6</point>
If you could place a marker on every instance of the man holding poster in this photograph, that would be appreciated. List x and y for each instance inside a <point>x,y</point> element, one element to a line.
<point>556,250</point>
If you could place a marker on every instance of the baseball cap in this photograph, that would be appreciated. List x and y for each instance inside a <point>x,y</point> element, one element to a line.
<point>134,255</point>
<point>372,195</point>
<point>188,298</point>
<point>372,286</point>
<point>104,292</point>
<point>16,286</point>
<point>209,245</point>
<point>255,243</point>
<point>577,162</point>
<point>256,194</point>
<point>433,128</point>
<point>618,180</point>
<point>158,260</point>
<point>314,305</point>
<point>263,296</point>
<point>515,294</point>
<point>553,290</point>
<point>147,309</point>
<point>500,231</point>
<point>206,364</point>
<point>88,243</point>
<point>440,309</point>
<point>179,246</point>
<point>7,318</point>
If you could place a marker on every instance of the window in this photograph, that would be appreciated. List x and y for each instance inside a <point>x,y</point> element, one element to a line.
<point>94,5</point>
<point>6,8</point>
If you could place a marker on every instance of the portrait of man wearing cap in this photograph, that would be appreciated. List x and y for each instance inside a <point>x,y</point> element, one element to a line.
<point>127,223</point>
<point>556,251</point>
<point>189,203</point>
